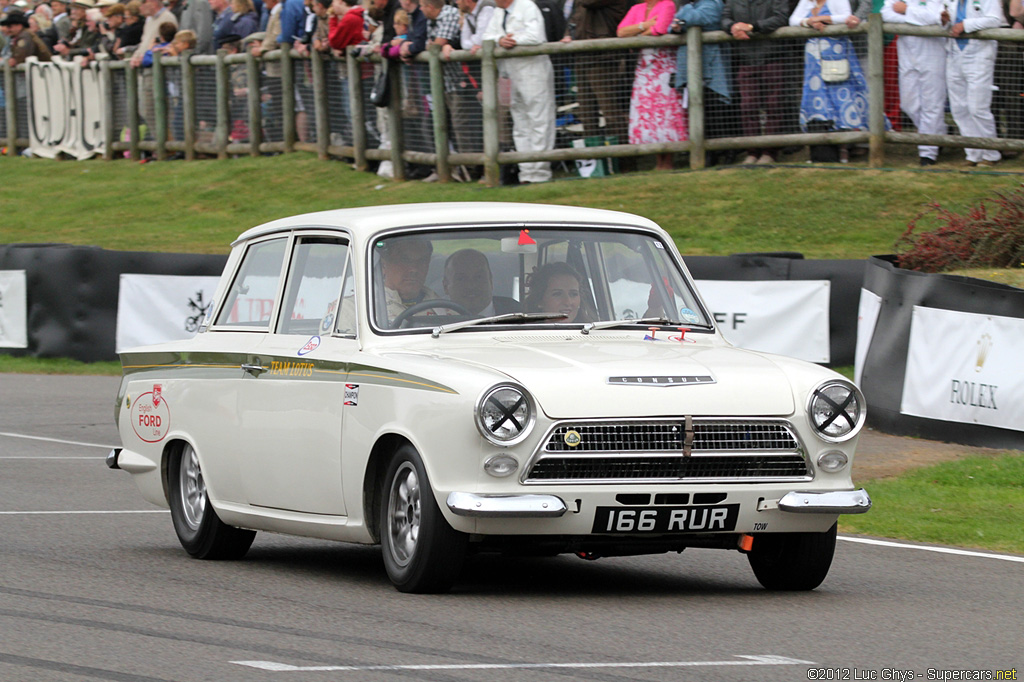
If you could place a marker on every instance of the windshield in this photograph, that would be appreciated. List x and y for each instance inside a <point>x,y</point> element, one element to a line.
<point>429,279</point>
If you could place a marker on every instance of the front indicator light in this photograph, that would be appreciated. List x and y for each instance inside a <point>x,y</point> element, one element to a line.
<point>501,466</point>
<point>833,461</point>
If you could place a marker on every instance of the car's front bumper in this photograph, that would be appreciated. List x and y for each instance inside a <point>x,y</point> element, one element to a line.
<point>506,506</point>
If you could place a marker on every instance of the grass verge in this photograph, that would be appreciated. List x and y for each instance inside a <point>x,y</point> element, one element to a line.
<point>200,207</point>
<point>974,502</point>
<point>12,365</point>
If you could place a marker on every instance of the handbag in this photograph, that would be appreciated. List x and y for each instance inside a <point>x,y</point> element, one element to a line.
<point>380,95</point>
<point>835,70</point>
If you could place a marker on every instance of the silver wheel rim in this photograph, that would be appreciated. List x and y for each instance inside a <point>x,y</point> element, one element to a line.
<point>192,488</point>
<point>404,514</point>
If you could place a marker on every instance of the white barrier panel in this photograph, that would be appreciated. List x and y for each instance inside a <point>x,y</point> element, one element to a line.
<point>867,318</point>
<point>65,108</point>
<point>787,317</point>
<point>158,308</point>
<point>13,323</point>
<point>965,367</point>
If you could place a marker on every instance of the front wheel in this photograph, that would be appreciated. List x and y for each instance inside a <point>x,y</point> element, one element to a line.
<point>422,553</point>
<point>792,561</point>
<point>200,531</point>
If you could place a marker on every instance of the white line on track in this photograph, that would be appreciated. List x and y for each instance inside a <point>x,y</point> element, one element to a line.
<point>57,440</point>
<point>271,666</point>
<point>932,548</point>
<point>56,513</point>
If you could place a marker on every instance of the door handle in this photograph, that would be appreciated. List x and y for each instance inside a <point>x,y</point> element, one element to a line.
<point>254,369</point>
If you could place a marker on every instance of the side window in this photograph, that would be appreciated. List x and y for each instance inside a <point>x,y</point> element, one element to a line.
<point>250,300</point>
<point>314,285</point>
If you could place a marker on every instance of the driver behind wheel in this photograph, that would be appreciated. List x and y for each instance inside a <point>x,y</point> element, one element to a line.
<point>404,263</point>
<point>468,282</point>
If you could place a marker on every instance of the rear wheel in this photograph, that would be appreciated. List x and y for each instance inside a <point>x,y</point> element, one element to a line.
<point>792,561</point>
<point>200,531</point>
<point>422,553</point>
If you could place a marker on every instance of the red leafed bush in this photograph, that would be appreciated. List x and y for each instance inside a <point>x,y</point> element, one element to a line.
<point>989,235</point>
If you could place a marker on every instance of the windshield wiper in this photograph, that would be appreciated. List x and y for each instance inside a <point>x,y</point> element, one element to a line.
<point>605,324</point>
<point>495,319</point>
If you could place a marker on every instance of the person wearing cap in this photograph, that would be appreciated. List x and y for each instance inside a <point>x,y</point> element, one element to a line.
<point>85,35</point>
<point>23,42</point>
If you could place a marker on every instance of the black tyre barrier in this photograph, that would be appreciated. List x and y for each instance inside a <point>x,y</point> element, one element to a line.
<point>72,293</point>
<point>885,362</point>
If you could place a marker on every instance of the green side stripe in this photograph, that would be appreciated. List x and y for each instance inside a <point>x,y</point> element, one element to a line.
<point>226,365</point>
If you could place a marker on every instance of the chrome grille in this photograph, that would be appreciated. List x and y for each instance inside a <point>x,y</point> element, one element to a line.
<point>722,450</point>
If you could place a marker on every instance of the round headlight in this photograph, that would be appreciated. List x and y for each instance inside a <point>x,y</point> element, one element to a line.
<point>504,415</point>
<point>836,410</point>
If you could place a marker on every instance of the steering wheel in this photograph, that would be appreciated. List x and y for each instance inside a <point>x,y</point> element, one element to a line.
<point>427,305</point>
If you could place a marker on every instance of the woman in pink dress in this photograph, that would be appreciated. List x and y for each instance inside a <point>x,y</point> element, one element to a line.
<point>656,111</point>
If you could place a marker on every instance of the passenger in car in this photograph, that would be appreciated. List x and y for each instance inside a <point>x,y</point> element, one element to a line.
<point>558,288</point>
<point>404,262</point>
<point>468,282</point>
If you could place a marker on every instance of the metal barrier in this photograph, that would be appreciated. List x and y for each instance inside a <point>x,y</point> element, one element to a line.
<point>237,104</point>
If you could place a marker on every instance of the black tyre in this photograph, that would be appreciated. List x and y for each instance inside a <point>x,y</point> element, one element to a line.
<point>200,531</point>
<point>422,553</point>
<point>792,561</point>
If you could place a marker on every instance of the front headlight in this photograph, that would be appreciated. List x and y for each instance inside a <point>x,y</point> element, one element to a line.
<point>836,410</point>
<point>505,414</point>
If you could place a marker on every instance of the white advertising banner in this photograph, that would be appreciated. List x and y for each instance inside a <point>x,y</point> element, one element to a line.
<point>775,316</point>
<point>965,367</point>
<point>13,309</point>
<point>867,318</point>
<point>65,108</point>
<point>158,308</point>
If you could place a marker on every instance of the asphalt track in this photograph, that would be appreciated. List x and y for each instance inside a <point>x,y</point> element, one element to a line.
<point>94,586</point>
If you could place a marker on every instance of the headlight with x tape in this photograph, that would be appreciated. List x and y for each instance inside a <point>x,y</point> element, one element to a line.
<point>505,414</point>
<point>836,410</point>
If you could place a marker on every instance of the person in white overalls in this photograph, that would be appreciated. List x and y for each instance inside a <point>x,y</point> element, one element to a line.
<point>970,71</point>
<point>922,70</point>
<point>520,22</point>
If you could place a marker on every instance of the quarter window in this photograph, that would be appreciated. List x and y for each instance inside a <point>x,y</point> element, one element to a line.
<point>250,300</point>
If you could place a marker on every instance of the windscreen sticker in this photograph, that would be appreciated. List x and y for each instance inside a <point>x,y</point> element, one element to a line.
<point>688,315</point>
<point>151,416</point>
<point>311,345</point>
<point>352,394</point>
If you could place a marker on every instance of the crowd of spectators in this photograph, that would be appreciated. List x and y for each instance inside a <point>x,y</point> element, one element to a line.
<point>749,86</point>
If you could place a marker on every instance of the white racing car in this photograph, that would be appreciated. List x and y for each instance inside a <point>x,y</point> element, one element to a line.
<point>443,379</point>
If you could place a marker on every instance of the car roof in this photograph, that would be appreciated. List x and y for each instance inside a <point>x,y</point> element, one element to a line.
<point>368,220</point>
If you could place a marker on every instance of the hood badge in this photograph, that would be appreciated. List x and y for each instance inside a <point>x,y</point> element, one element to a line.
<point>661,380</point>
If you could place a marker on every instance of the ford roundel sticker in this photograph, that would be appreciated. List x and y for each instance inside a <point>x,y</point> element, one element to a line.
<point>311,345</point>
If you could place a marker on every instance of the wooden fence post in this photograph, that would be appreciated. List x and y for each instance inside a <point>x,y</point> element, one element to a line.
<point>489,92</point>
<point>356,107</point>
<point>695,93</point>
<point>876,92</point>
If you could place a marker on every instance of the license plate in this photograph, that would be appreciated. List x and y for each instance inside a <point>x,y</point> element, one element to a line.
<point>702,519</point>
